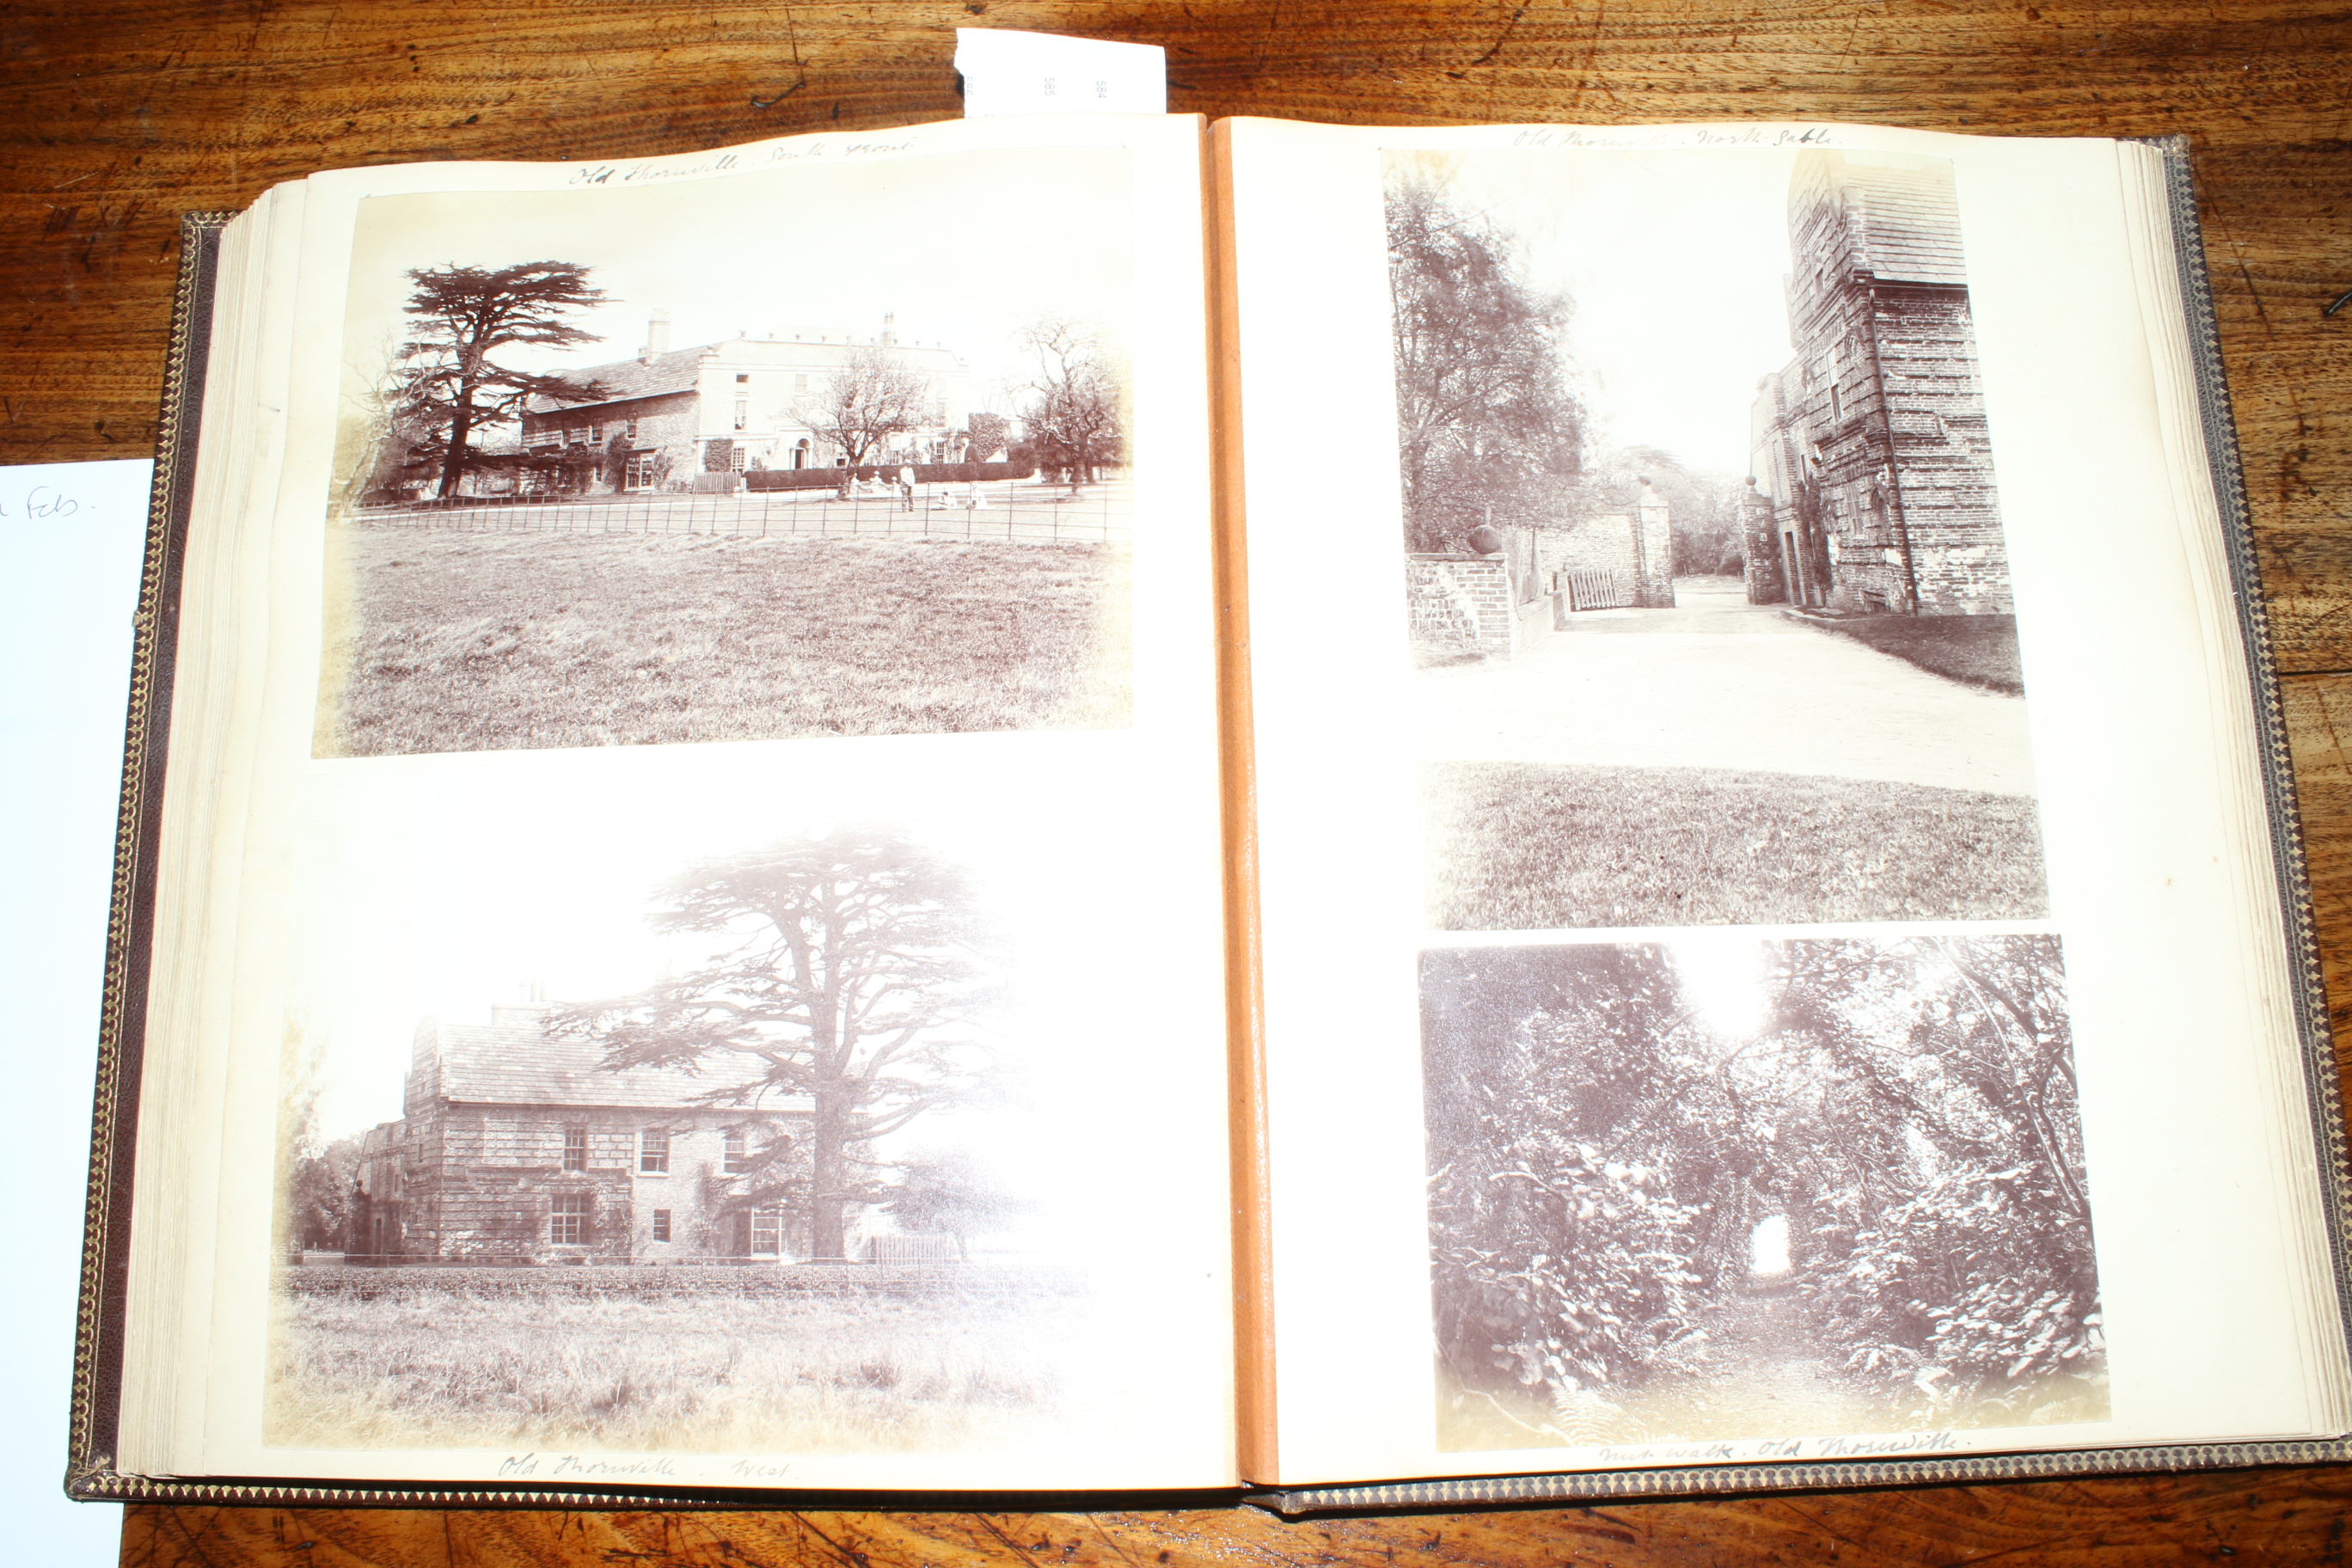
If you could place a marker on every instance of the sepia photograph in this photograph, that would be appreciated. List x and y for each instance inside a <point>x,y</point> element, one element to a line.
<point>1723,1187</point>
<point>720,1139</point>
<point>1707,594</point>
<point>829,450</point>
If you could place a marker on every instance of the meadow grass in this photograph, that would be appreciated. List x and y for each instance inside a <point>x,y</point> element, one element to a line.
<point>1975,650</point>
<point>841,1373</point>
<point>444,641</point>
<point>1527,846</point>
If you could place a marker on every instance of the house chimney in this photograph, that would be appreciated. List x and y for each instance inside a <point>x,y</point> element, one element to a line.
<point>889,329</point>
<point>529,1014</point>
<point>656,336</point>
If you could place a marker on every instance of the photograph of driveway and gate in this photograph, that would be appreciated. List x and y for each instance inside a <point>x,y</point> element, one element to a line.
<point>1709,602</point>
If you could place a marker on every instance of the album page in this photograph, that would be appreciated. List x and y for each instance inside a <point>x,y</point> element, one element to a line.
<point>689,944</point>
<point>1770,938</point>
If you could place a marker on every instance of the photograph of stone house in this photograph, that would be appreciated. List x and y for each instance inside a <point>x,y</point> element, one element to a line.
<point>742,404</point>
<point>761,1102</point>
<point>1683,651</point>
<point>517,1145</point>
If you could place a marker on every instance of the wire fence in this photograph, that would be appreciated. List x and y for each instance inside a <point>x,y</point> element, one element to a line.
<point>1013,510</point>
<point>931,1249</point>
<point>878,1250</point>
<point>407,1282</point>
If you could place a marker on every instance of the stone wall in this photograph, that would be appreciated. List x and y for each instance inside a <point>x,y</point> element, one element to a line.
<point>1942,500</point>
<point>449,1182</point>
<point>483,1182</point>
<point>1638,550</point>
<point>1603,543</point>
<point>1462,603</point>
<point>1760,549</point>
<point>1905,482</point>
<point>665,429</point>
<point>1654,585</point>
<point>1882,401</point>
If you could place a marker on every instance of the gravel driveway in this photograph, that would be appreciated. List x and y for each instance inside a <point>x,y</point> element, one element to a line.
<point>1718,682</point>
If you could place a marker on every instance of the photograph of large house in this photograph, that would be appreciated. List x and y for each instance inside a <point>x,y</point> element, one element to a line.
<point>545,403</point>
<point>516,1145</point>
<point>743,404</point>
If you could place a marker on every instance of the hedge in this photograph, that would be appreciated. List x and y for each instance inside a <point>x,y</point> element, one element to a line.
<point>925,474</point>
<point>857,1279</point>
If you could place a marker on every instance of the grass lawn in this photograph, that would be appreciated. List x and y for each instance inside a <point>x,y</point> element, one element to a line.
<point>455,642</point>
<point>1976,650</point>
<point>820,1373</point>
<point>1527,846</point>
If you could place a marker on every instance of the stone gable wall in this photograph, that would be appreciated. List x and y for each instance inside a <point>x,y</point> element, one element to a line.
<point>1942,451</point>
<point>667,426</point>
<point>1886,390</point>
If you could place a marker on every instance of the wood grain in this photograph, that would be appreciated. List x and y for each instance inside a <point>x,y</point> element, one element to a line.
<point>2246,1519</point>
<point>124,113</point>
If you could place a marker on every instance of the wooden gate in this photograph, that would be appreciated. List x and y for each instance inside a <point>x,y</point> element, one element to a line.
<point>1593,588</point>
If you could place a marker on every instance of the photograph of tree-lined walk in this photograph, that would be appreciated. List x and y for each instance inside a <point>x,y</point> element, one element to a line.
<point>1708,598</point>
<point>736,461</point>
<point>1732,1188</point>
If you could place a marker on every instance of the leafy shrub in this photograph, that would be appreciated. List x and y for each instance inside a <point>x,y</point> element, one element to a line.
<point>1976,1286</point>
<point>2001,1329</point>
<point>1560,1270</point>
<point>1907,1108</point>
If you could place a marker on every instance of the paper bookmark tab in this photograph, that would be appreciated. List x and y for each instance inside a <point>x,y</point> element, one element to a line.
<point>1008,72</point>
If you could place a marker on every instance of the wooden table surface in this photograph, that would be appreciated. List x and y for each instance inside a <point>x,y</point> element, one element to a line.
<point>128,112</point>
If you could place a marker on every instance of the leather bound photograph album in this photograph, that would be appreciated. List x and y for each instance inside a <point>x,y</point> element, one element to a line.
<point>1097,805</point>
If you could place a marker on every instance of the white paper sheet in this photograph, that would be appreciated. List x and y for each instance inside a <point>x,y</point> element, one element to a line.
<point>73,533</point>
<point>1010,72</point>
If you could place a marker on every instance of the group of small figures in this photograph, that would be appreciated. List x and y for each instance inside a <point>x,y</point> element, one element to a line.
<point>945,498</point>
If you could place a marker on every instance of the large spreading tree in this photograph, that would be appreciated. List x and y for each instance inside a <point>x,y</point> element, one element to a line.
<point>847,974</point>
<point>1074,408</point>
<point>1488,428</point>
<point>451,384</point>
<point>870,403</point>
<point>952,1194</point>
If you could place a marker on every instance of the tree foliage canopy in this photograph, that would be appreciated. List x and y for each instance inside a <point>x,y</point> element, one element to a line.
<point>1075,405</point>
<point>1488,428</point>
<point>989,432</point>
<point>450,385</point>
<point>950,1194</point>
<point>1602,1153</point>
<point>316,1175</point>
<point>848,976</point>
<point>1702,506</point>
<point>869,402</point>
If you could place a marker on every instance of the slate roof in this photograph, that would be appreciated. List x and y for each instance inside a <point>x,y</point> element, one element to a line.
<point>674,370</point>
<point>1902,214</point>
<point>490,1065</point>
